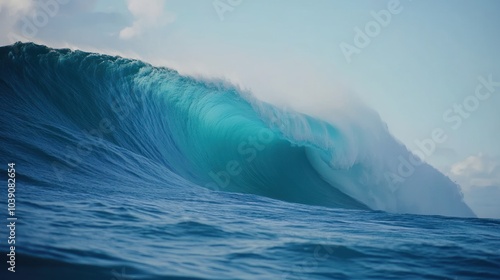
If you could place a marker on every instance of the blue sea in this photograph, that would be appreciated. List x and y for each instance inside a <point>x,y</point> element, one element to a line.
<point>124,170</point>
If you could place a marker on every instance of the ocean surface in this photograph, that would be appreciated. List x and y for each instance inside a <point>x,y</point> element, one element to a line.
<point>128,171</point>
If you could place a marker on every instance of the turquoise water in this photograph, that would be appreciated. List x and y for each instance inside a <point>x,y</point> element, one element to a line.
<point>127,171</point>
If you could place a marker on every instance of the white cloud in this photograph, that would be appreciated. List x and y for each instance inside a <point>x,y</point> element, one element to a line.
<point>11,12</point>
<point>146,14</point>
<point>16,7</point>
<point>479,177</point>
<point>477,171</point>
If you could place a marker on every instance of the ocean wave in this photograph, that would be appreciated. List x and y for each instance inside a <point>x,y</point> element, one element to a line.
<point>208,132</point>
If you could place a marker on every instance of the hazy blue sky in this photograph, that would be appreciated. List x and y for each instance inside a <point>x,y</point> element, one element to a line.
<point>417,65</point>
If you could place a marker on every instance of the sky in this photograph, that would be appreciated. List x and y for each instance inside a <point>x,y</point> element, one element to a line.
<point>422,65</point>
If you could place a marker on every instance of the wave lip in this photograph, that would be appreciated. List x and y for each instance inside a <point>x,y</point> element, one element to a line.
<point>212,133</point>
